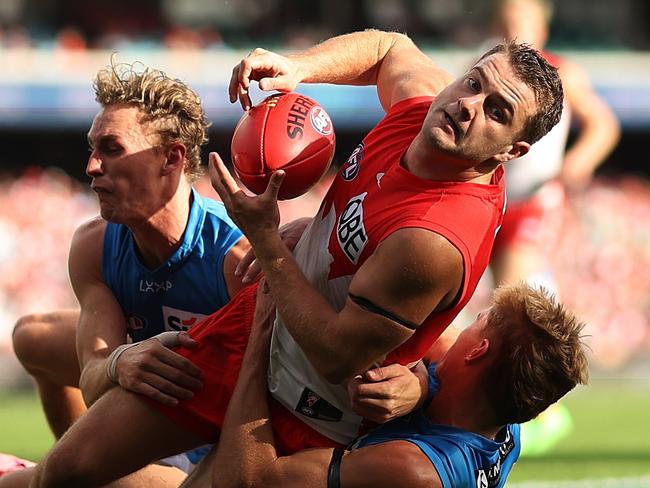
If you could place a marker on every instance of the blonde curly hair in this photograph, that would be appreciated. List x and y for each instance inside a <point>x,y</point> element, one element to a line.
<point>172,106</point>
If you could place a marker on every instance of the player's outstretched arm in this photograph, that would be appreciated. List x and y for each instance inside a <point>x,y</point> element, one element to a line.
<point>387,59</point>
<point>148,367</point>
<point>396,289</point>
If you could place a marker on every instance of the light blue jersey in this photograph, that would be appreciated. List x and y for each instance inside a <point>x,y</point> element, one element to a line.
<point>462,459</point>
<point>186,288</point>
<point>177,295</point>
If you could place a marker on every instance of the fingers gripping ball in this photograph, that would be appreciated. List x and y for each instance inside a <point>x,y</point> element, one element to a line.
<point>285,131</point>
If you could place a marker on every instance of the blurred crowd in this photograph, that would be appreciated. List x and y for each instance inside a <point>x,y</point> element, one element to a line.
<point>39,211</point>
<point>117,24</point>
<point>601,258</point>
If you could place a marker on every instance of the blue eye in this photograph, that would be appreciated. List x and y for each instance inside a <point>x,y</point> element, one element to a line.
<point>474,84</point>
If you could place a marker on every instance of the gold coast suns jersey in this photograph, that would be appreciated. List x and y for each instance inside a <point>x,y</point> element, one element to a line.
<point>371,197</point>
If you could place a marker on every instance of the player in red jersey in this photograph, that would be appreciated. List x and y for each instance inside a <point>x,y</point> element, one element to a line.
<point>395,251</point>
<point>520,250</point>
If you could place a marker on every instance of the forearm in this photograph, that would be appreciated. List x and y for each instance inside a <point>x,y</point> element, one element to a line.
<point>93,381</point>
<point>246,441</point>
<point>594,143</point>
<point>350,59</point>
<point>306,313</point>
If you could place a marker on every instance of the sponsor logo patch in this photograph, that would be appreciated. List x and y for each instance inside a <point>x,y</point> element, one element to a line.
<point>350,232</point>
<point>147,286</point>
<point>176,319</point>
<point>351,167</point>
<point>313,406</point>
<point>490,477</point>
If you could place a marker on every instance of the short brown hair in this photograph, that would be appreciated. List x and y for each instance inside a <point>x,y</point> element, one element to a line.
<point>173,106</point>
<point>531,68</point>
<point>539,353</point>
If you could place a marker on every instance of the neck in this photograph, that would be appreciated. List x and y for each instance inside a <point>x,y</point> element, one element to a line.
<point>418,160</point>
<point>161,234</point>
<point>461,404</point>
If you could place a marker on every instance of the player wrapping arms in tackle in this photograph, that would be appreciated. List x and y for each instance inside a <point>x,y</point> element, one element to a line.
<point>518,357</point>
<point>394,253</point>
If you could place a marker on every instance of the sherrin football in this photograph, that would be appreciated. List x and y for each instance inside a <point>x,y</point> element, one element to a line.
<point>285,131</point>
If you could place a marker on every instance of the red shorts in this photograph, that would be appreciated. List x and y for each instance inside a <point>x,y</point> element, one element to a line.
<point>522,223</point>
<point>222,341</point>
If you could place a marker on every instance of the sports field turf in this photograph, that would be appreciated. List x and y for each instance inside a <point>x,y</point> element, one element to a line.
<point>610,441</point>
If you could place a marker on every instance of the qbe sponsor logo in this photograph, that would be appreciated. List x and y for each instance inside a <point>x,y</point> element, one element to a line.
<point>176,319</point>
<point>321,121</point>
<point>352,166</point>
<point>350,231</point>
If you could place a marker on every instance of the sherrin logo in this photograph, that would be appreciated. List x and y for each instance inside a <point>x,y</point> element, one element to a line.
<point>320,120</point>
<point>350,231</point>
<point>176,319</point>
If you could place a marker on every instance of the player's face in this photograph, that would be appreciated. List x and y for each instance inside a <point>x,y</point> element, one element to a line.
<point>467,340</point>
<point>125,164</point>
<point>479,117</point>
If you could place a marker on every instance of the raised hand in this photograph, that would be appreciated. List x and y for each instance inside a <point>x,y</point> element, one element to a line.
<point>256,216</point>
<point>271,70</point>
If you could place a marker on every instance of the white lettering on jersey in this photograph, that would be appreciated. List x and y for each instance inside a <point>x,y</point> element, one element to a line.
<point>176,319</point>
<point>350,231</point>
<point>154,286</point>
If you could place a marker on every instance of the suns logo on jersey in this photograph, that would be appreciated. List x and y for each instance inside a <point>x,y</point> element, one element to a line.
<point>350,169</point>
<point>176,319</point>
<point>350,231</point>
<point>135,322</point>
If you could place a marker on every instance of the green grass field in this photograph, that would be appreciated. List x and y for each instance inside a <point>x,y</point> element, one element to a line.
<point>611,437</point>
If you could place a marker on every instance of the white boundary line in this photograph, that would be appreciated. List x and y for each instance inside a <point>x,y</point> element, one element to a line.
<point>640,482</point>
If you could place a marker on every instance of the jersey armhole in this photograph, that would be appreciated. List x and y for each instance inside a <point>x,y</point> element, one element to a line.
<point>437,462</point>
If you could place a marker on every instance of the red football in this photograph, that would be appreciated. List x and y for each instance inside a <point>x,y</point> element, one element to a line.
<point>285,131</point>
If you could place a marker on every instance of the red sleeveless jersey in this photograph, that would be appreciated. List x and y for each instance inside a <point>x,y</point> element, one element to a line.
<point>374,196</point>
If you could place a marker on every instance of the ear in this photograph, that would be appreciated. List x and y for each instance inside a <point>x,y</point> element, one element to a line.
<point>478,351</point>
<point>517,150</point>
<point>175,158</point>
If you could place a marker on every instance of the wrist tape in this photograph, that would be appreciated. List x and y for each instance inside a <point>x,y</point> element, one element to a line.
<point>111,362</point>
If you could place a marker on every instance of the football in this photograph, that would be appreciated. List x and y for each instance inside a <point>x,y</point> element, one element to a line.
<point>290,132</point>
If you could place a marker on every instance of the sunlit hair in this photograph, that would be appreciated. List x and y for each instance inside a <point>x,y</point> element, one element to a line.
<point>531,68</point>
<point>539,354</point>
<point>173,108</point>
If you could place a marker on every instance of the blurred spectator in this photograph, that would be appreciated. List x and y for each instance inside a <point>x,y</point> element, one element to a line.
<point>518,252</point>
<point>38,214</point>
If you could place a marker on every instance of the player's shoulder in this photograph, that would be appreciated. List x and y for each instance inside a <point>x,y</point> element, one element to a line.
<point>422,245</point>
<point>403,465</point>
<point>89,232</point>
<point>86,248</point>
